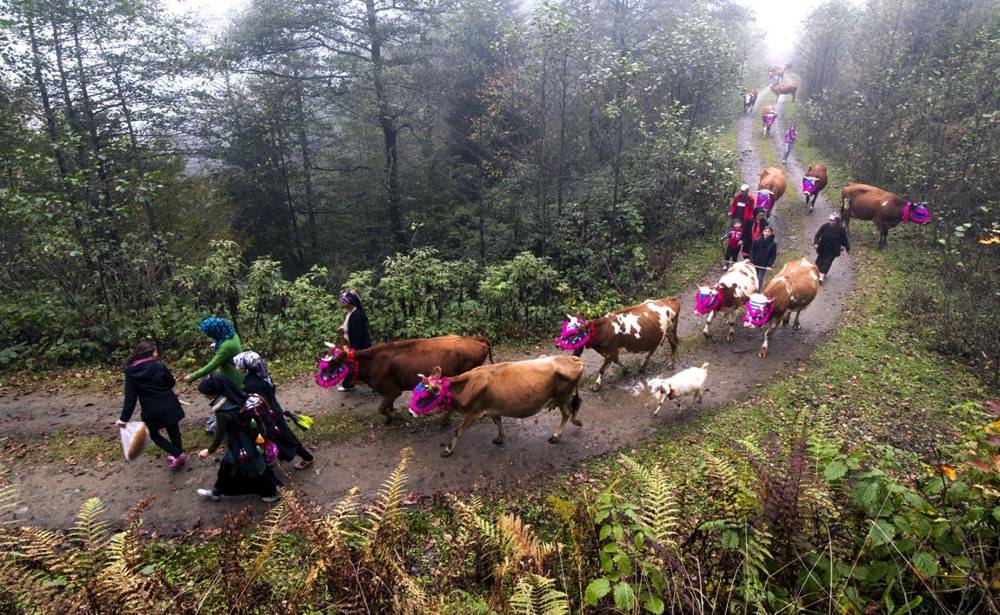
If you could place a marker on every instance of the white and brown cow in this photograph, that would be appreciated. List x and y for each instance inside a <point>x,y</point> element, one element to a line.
<point>640,328</point>
<point>792,290</point>
<point>518,389</point>
<point>729,295</point>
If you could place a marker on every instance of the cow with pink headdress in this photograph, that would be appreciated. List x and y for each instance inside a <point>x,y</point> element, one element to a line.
<point>727,297</point>
<point>792,290</point>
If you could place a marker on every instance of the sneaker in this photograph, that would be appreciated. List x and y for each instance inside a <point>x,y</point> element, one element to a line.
<point>302,464</point>
<point>209,494</point>
<point>271,498</point>
<point>176,462</point>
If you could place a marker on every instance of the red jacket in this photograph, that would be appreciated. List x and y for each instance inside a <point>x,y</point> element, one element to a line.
<point>742,207</point>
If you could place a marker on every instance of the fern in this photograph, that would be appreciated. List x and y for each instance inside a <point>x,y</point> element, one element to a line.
<point>387,503</point>
<point>658,514</point>
<point>537,595</point>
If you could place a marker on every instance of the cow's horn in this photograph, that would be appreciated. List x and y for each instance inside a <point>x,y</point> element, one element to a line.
<point>568,317</point>
<point>329,345</point>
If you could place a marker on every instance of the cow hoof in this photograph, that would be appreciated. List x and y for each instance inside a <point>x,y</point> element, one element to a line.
<point>446,452</point>
<point>576,422</point>
<point>706,334</point>
<point>796,326</point>
<point>553,439</point>
<point>498,441</point>
<point>762,354</point>
<point>596,386</point>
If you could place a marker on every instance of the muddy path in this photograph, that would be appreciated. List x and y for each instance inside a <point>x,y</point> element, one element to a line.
<point>613,418</point>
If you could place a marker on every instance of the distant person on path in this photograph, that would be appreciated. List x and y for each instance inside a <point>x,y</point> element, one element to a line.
<point>242,470</point>
<point>763,253</point>
<point>791,135</point>
<point>732,241</point>
<point>227,346</point>
<point>258,380</point>
<point>148,381</point>
<point>742,209</point>
<point>354,329</point>
<point>829,240</point>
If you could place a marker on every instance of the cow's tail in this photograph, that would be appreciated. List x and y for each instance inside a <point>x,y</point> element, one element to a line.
<point>574,403</point>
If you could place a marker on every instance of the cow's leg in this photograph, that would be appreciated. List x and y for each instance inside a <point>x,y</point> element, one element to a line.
<point>499,423</point>
<point>385,407</point>
<point>600,373</point>
<point>575,406</point>
<point>566,411</point>
<point>797,326</point>
<point>468,419</point>
<point>645,362</point>
<point>731,321</point>
<point>883,235</point>
<point>768,329</point>
<point>672,338</point>
<point>618,361</point>
<point>708,322</point>
<point>446,418</point>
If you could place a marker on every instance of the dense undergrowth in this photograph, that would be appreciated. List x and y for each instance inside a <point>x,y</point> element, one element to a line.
<point>865,482</point>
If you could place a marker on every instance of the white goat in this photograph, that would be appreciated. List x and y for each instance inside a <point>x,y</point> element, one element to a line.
<point>690,381</point>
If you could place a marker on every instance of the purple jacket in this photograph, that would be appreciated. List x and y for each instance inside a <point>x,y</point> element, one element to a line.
<point>791,135</point>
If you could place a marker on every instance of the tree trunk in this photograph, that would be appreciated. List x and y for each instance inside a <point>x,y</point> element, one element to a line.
<point>306,169</point>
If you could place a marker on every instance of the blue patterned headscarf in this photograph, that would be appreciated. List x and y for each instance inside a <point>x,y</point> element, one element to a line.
<point>218,329</point>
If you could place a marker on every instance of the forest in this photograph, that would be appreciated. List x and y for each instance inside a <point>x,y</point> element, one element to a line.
<point>467,166</point>
<point>490,168</point>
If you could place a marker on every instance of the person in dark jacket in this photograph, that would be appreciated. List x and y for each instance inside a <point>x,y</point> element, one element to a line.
<point>829,240</point>
<point>355,329</point>
<point>742,209</point>
<point>148,381</point>
<point>258,380</point>
<point>243,470</point>
<point>763,253</point>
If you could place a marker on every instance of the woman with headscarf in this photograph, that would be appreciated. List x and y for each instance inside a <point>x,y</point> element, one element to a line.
<point>355,329</point>
<point>227,345</point>
<point>243,470</point>
<point>258,381</point>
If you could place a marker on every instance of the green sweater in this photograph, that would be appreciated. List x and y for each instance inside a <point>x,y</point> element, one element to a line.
<point>223,362</point>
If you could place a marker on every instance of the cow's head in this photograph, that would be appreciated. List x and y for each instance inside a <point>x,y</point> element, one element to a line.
<point>917,213</point>
<point>334,367</point>
<point>764,199</point>
<point>708,299</point>
<point>575,334</point>
<point>759,310</point>
<point>809,184</point>
<point>432,392</point>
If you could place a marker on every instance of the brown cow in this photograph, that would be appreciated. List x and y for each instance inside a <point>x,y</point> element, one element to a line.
<point>770,187</point>
<point>517,389</point>
<point>792,290</point>
<point>394,367</point>
<point>734,287</point>
<point>640,328</point>
<point>784,88</point>
<point>749,100</point>
<point>866,202</point>
<point>767,117</point>
<point>813,183</point>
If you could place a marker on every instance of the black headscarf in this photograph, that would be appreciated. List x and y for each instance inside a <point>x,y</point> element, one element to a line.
<point>220,386</point>
<point>357,324</point>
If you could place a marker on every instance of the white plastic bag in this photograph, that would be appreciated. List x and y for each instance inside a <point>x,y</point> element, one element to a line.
<point>135,437</point>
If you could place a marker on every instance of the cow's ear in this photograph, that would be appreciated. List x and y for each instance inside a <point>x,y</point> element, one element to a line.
<point>437,372</point>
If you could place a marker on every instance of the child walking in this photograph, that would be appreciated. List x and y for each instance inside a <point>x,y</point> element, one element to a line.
<point>148,381</point>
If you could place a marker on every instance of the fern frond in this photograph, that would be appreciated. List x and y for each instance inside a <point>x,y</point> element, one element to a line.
<point>537,595</point>
<point>658,513</point>
<point>387,503</point>
<point>90,531</point>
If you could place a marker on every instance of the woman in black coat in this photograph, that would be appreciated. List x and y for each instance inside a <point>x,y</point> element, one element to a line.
<point>829,240</point>
<point>243,469</point>
<point>257,380</point>
<point>148,381</point>
<point>763,253</point>
<point>354,330</point>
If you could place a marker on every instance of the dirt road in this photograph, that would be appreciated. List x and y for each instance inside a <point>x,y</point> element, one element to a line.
<point>613,418</point>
